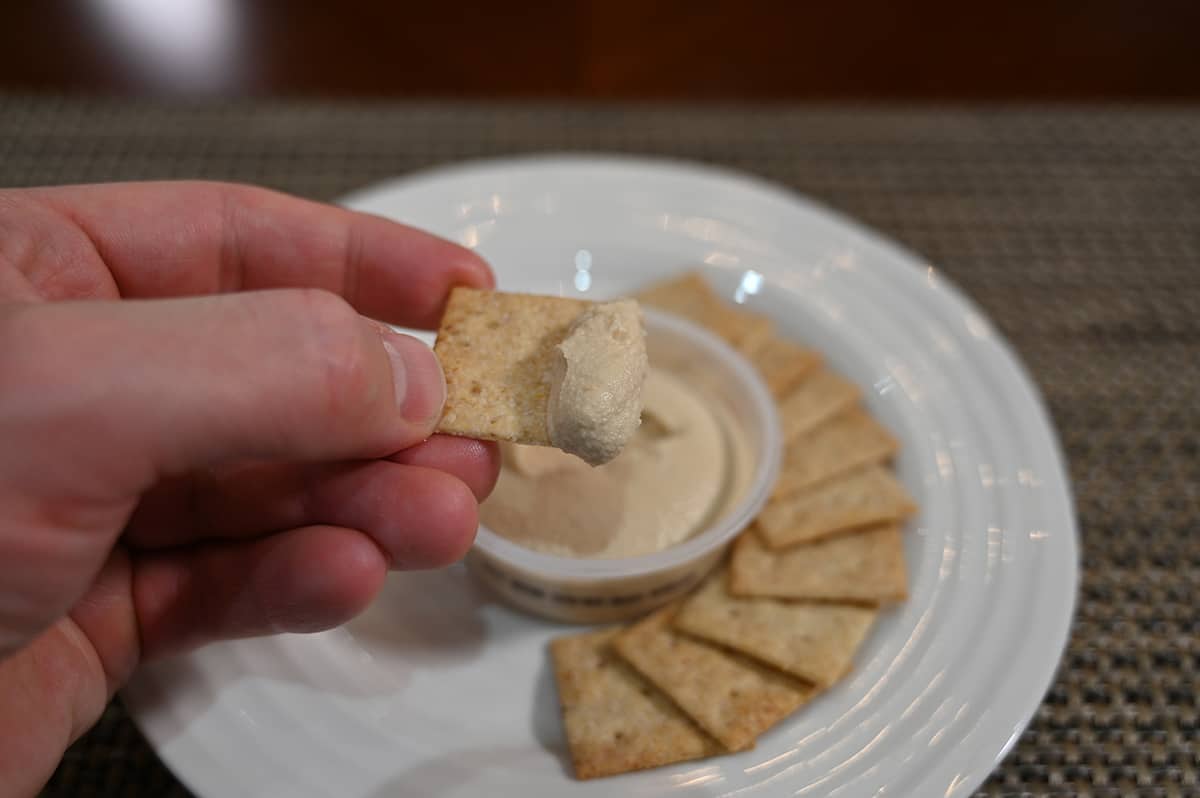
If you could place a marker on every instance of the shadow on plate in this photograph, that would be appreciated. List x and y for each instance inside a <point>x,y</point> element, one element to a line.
<point>464,772</point>
<point>546,718</point>
<point>461,772</point>
<point>420,620</point>
<point>426,618</point>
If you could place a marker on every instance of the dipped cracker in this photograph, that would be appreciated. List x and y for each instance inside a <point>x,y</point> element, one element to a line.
<point>615,720</point>
<point>844,443</point>
<point>733,698</point>
<point>543,370</point>
<point>497,350</point>
<point>865,567</point>
<point>814,641</point>
<point>862,498</point>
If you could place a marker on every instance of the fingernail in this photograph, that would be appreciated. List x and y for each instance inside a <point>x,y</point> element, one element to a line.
<point>417,376</point>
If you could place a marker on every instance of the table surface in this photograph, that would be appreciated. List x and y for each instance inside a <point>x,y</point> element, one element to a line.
<point>1078,230</point>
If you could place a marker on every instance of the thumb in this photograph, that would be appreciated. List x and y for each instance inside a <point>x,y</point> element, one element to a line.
<point>124,393</point>
<point>99,400</point>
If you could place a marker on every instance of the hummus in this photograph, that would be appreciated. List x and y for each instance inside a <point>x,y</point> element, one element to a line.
<point>596,382</point>
<point>677,473</point>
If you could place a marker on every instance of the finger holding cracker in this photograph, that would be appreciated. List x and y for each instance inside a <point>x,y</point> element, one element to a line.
<point>542,370</point>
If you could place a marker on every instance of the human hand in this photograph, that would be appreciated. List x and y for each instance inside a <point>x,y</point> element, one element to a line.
<point>202,438</point>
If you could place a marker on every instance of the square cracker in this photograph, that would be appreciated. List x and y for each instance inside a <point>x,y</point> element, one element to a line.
<point>844,443</point>
<point>865,567</point>
<point>862,498</point>
<point>814,401</point>
<point>691,296</point>
<point>615,720</point>
<point>745,330</point>
<point>688,295</point>
<point>733,698</point>
<point>784,364</point>
<point>496,350</point>
<point>815,642</point>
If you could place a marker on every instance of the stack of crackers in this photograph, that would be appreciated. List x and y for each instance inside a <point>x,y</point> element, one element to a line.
<point>782,619</point>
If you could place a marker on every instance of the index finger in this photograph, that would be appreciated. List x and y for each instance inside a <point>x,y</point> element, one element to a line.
<point>187,238</point>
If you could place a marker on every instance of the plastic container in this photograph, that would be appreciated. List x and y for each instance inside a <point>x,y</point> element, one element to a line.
<point>582,590</point>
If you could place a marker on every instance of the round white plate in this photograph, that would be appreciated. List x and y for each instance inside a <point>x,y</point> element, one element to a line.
<point>439,691</point>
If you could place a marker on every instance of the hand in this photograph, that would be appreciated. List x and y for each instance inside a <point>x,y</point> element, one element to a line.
<point>202,438</point>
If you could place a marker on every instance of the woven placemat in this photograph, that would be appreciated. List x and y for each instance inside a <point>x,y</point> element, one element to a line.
<point>1077,230</point>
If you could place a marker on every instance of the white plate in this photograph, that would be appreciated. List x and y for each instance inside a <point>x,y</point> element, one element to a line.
<point>439,691</point>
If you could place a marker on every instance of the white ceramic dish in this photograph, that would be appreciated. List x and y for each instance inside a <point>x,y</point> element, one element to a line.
<point>583,590</point>
<point>438,690</point>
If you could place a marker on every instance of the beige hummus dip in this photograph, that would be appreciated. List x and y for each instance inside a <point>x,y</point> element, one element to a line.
<point>675,475</point>
<point>596,382</point>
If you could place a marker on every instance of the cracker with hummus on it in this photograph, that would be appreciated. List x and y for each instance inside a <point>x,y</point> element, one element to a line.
<point>863,498</point>
<point>865,567</point>
<point>733,698</point>
<point>542,370</point>
<point>496,350</point>
<point>615,720</point>
<point>844,443</point>
<point>691,296</point>
<point>814,641</point>
<point>814,401</point>
<point>783,364</point>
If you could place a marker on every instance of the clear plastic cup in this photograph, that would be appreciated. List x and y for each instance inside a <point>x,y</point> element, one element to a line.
<point>583,590</point>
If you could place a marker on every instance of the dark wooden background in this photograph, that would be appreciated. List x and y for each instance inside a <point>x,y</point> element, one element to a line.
<point>608,49</point>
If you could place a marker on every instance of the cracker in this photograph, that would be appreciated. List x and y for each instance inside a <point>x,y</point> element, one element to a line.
<point>847,442</point>
<point>615,720</point>
<point>691,296</point>
<point>496,350</point>
<point>733,698</point>
<point>815,642</point>
<point>814,401</point>
<point>746,331</point>
<point>863,498</point>
<point>688,295</point>
<point>865,567</point>
<point>784,364</point>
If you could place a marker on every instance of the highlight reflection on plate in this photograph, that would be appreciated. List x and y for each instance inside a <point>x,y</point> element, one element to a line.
<point>439,691</point>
